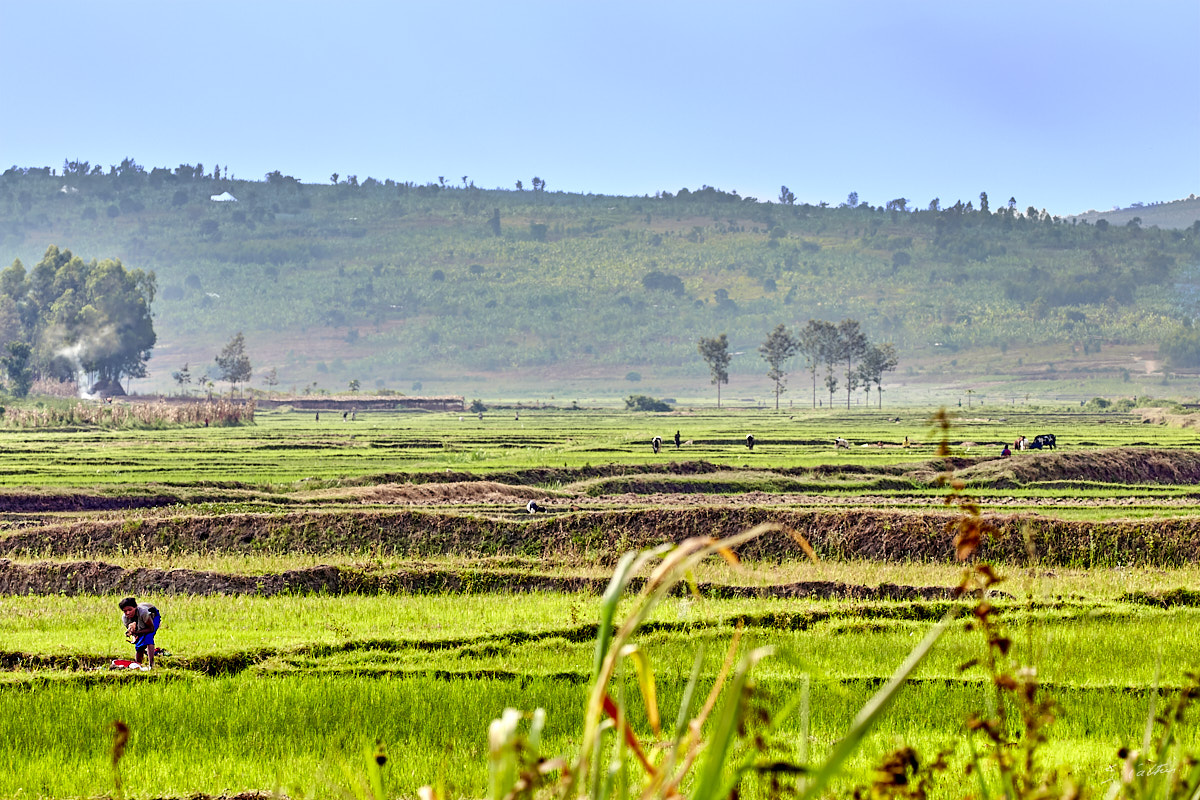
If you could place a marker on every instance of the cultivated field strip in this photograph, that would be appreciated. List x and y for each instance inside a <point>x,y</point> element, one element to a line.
<point>1077,637</point>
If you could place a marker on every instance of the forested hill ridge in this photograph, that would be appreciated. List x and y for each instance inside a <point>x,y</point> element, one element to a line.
<point>452,289</point>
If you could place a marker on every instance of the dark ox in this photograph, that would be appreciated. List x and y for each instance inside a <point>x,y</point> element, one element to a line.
<point>1043,440</point>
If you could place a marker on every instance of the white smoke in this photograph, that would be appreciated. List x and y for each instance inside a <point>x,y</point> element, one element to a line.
<point>95,341</point>
<point>72,353</point>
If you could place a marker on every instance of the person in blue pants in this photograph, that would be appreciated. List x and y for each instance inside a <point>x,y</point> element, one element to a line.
<point>141,622</point>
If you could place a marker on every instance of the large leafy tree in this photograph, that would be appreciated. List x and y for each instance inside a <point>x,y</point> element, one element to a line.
<point>16,366</point>
<point>117,332</point>
<point>715,353</point>
<point>777,350</point>
<point>91,318</point>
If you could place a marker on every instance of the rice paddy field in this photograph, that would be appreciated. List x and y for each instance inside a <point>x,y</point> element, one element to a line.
<point>335,584</point>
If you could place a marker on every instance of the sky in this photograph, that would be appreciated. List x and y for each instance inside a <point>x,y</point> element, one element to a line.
<point>1062,105</point>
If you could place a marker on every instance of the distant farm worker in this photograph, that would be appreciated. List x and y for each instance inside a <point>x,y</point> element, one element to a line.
<point>750,441</point>
<point>1005,453</point>
<point>141,621</point>
<point>676,440</point>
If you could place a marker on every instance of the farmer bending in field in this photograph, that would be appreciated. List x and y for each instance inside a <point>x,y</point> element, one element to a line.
<point>141,622</point>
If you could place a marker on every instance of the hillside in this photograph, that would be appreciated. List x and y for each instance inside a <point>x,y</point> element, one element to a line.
<point>1176,214</point>
<point>460,290</point>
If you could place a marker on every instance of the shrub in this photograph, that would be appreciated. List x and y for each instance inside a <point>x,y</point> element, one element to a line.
<point>663,282</point>
<point>640,402</point>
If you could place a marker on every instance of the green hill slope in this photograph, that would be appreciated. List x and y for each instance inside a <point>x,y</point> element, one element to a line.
<point>522,293</point>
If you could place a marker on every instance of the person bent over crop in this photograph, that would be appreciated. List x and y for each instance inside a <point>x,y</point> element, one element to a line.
<point>141,621</point>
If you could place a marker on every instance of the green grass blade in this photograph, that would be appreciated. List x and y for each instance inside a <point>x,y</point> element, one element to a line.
<point>720,745</point>
<point>871,712</point>
<point>646,683</point>
<point>689,692</point>
<point>608,608</point>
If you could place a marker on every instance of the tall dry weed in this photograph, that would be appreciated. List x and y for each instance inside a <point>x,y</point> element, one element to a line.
<point>94,414</point>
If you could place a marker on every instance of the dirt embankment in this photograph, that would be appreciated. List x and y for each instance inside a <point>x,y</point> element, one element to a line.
<point>97,577</point>
<point>41,503</point>
<point>1113,465</point>
<point>601,536</point>
<point>490,493</point>
<point>545,476</point>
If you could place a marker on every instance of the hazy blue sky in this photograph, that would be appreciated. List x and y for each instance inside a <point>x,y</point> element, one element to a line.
<point>1063,105</point>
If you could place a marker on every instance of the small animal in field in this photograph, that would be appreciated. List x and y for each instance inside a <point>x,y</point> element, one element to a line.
<point>750,441</point>
<point>532,507</point>
<point>656,444</point>
<point>1044,440</point>
<point>839,442</point>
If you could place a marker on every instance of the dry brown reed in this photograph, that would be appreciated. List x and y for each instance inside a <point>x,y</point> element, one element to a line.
<point>49,387</point>
<point>90,413</point>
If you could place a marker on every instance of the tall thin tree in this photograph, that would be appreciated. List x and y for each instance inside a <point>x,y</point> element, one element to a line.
<point>777,350</point>
<point>830,347</point>
<point>809,344</point>
<point>852,343</point>
<point>877,360</point>
<point>715,353</point>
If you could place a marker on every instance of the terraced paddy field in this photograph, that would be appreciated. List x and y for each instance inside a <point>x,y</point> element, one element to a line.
<point>329,583</point>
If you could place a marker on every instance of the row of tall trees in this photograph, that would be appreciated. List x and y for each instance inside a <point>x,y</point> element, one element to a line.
<point>849,359</point>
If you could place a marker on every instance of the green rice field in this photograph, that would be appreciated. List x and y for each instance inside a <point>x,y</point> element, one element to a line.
<point>329,584</point>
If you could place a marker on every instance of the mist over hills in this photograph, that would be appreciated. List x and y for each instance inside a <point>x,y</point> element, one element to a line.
<point>449,288</point>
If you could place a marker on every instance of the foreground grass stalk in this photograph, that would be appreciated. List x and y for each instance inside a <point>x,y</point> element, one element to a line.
<point>666,765</point>
<point>120,740</point>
